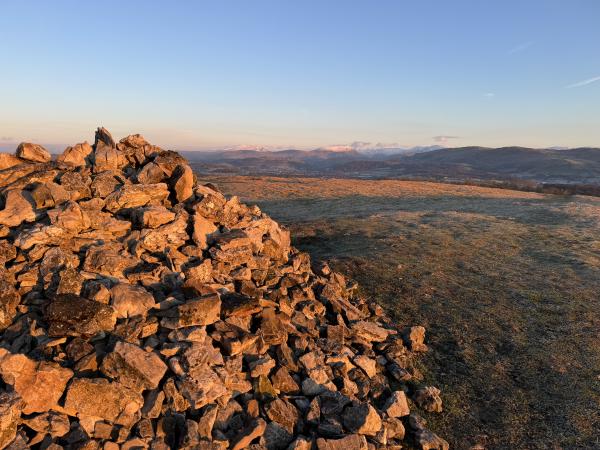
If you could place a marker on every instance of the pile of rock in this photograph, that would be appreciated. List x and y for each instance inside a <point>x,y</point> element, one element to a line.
<point>140,309</point>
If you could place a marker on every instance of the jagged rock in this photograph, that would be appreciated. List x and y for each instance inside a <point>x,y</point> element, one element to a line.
<point>253,431</point>
<point>415,339</point>
<point>103,138</point>
<point>98,397</point>
<point>362,419</point>
<point>137,150</point>
<point>8,252</point>
<point>10,412</point>
<point>7,160</point>
<point>10,300</point>
<point>300,443</point>
<point>352,442</point>
<point>207,422</point>
<point>33,152</point>
<point>426,439</point>
<point>173,235</point>
<point>202,387</point>
<point>276,437</point>
<point>203,230</point>
<point>77,184</point>
<point>105,183</point>
<point>39,384</point>
<point>394,428</point>
<point>283,381</point>
<point>429,399</point>
<point>284,413</point>
<point>70,217</point>
<point>370,331</point>
<point>154,216</point>
<point>18,208</point>
<point>133,367</point>
<point>136,195</point>
<point>130,300</point>
<point>153,404</point>
<point>182,182</point>
<point>261,366</point>
<point>71,315</point>
<point>52,423</point>
<point>109,259</point>
<point>78,155</point>
<point>49,195</point>
<point>397,405</point>
<point>203,311</point>
<point>368,365</point>
<point>157,313</point>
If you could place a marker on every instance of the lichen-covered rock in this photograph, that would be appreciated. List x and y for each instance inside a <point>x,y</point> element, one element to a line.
<point>134,367</point>
<point>134,196</point>
<point>10,412</point>
<point>143,309</point>
<point>71,315</point>
<point>98,397</point>
<point>33,152</point>
<point>10,300</point>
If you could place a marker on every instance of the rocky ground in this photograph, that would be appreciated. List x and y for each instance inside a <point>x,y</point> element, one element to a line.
<point>506,283</point>
<point>140,308</point>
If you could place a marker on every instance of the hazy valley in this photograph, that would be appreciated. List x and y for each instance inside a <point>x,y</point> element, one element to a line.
<point>569,166</point>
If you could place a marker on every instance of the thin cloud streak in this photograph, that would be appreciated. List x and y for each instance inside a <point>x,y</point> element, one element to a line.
<point>521,47</point>
<point>583,83</point>
<point>444,138</point>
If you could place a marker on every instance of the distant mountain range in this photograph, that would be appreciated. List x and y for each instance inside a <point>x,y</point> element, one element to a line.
<point>578,165</point>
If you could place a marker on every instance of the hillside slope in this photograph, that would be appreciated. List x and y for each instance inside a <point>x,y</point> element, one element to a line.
<point>581,165</point>
<point>507,281</point>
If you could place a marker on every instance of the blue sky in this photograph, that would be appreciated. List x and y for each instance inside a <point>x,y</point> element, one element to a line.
<point>199,74</point>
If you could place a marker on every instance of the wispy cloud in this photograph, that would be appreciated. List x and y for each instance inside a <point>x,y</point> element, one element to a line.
<point>363,146</point>
<point>521,47</point>
<point>489,94</point>
<point>583,82</point>
<point>444,138</point>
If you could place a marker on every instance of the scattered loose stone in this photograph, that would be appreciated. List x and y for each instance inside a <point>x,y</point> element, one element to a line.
<point>415,338</point>
<point>142,309</point>
<point>362,419</point>
<point>397,405</point>
<point>426,439</point>
<point>429,399</point>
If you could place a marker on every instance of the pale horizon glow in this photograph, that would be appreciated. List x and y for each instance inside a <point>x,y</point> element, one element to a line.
<point>305,75</point>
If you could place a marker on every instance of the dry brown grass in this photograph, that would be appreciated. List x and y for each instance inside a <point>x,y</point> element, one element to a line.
<point>507,283</point>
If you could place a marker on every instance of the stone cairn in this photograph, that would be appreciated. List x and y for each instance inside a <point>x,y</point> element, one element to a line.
<point>140,309</point>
